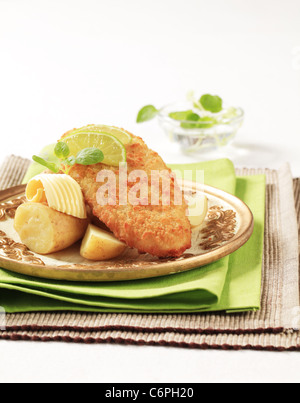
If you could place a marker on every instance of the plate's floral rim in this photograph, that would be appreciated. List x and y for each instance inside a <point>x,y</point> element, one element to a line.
<point>8,209</point>
<point>17,251</point>
<point>220,228</point>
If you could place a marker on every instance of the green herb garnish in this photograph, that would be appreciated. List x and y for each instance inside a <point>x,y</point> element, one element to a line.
<point>89,156</point>
<point>148,112</point>
<point>191,120</point>
<point>201,123</point>
<point>180,115</point>
<point>207,105</point>
<point>69,161</point>
<point>61,150</point>
<point>211,103</point>
<point>194,117</point>
<point>50,165</point>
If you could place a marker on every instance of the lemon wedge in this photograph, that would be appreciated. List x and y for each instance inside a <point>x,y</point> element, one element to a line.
<point>120,134</point>
<point>112,148</point>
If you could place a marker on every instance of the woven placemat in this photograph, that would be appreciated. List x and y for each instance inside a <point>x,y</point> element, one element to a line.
<point>224,341</point>
<point>269,328</point>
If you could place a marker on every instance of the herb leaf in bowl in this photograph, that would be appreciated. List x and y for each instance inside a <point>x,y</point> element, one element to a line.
<point>200,123</point>
<point>191,120</point>
<point>180,115</point>
<point>211,103</point>
<point>207,105</point>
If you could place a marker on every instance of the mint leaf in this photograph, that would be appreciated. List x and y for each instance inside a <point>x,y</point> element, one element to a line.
<point>69,161</point>
<point>206,122</point>
<point>194,117</point>
<point>148,112</point>
<point>191,117</point>
<point>201,123</point>
<point>211,103</point>
<point>62,150</point>
<point>50,165</point>
<point>89,156</point>
<point>180,115</point>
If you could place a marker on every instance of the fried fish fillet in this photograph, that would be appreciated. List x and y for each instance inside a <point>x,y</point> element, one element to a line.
<point>158,229</point>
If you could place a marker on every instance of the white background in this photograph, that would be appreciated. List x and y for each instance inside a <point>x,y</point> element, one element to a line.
<point>67,63</point>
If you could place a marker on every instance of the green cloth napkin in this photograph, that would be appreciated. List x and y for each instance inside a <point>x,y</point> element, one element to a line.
<point>231,284</point>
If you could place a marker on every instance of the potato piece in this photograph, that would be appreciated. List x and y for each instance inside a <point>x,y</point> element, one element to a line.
<point>198,208</point>
<point>100,245</point>
<point>44,230</point>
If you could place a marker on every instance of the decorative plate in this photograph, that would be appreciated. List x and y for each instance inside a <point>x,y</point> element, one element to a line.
<point>228,226</point>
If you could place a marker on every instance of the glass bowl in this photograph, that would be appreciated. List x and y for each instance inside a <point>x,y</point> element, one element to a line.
<point>216,133</point>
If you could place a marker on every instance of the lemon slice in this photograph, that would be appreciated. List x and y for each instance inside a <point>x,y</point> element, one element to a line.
<point>112,148</point>
<point>120,134</point>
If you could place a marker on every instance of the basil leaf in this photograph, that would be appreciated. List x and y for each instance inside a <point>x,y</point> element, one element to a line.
<point>62,150</point>
<point>148,112</point>
<point>89,156</point>
<point>50,165</point>
<point>211,103</point>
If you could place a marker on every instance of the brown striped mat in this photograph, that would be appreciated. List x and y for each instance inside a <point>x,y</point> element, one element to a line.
<point>271,328</point>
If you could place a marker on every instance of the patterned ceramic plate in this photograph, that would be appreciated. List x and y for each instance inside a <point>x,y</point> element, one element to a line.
<point>228,226</point>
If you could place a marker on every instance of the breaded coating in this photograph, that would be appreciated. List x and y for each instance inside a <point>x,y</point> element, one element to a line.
<point>161,229</point>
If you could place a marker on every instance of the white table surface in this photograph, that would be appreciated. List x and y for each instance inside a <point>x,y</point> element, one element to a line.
<point>67,63</point>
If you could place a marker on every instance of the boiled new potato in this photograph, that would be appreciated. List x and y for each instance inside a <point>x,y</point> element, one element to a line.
<point>198,208</point>
<point>100,245</point>
<point>44,230</point>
